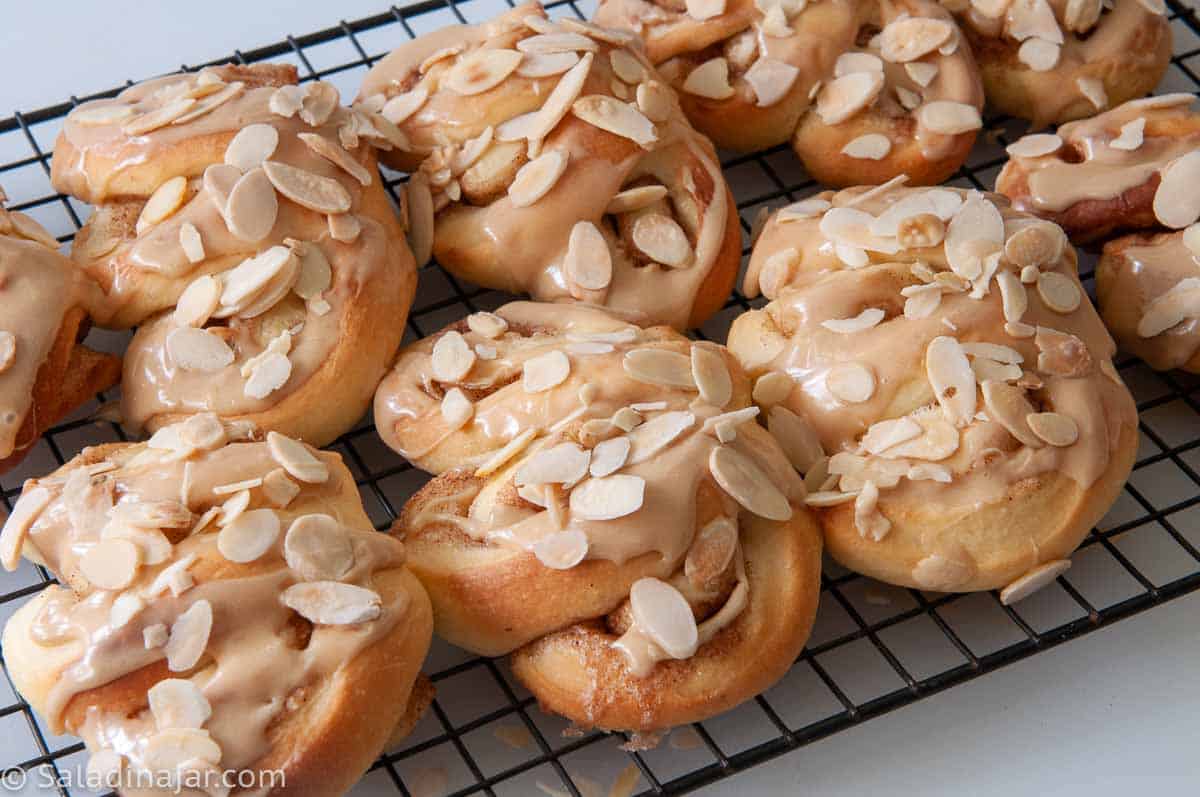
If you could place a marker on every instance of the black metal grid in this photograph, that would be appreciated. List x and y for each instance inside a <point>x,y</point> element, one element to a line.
<point>875,648</point>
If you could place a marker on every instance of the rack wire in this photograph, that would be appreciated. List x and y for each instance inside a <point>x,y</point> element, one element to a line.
<point>875,648</point>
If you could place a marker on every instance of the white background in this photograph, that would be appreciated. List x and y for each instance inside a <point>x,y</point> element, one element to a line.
<point>1108,714</point>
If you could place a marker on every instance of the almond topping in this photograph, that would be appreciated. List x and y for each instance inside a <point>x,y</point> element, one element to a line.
<point>538,65</point>
<point>746,483</point>
<point>661,239</point>
<point>921,72</point>
<point>197,302</point>
<point>662,613</point>
<point>1007,406</point>
<point>560,100</point>
<point>1180,302</point>
<point>561,550</point>
<point>705,9</point>
<point>865,320</point>
<point>545,371</point>
<point>771,80</point>
<point>1132,135</point>
<point>557,43</point>
<point>1035,579</point>
<point>251,146</point>
<point>279,489</point>
<point>335,154</point>
<point>197,350</point>
<point>710,80</point>
<point>949,118</point>
<point>481,70</point>
<point>178,703</point>
<point>616,117</point>
<point>711,552</point>
<point>250,536</point>
<point>609,456</point>
<point>627,67</point>
<point>608,497</point>
<point>655,100</point>
<point>845,96</point>
<point>952,379</point>
<point>941,573</point>
<point>872,146</point>
<point>318,103</point>
<point>1059,292</point>
<point>651,437</point>
<point>332,603</point>
<point>1040,243</point>
<point>111,563</point>
<point>190,242</point>
<point>451,359</point>
<point>565,463</point>
<point>399,108</point>
<point>856,62</point>
<point>910,38</point>
<point>660,367</point>
<point>535,179</point>
<point>1055,428</point>
<point>886,434</point>
<point>852,383</point>
<point>1035,146</point>
<point>1093,89</point>
<point>711,376</point>
<point>796,437</point>
<point>636,198</point>
<point>101,115</point>
<point>1176,201</point>
<point>149,122</point>
<point>180,751</point>
<point>322,194</point>
<point>296,459</point>
<point>869,521</point>
<point>509,450</point>
<point>317,549</point>
<point>189,637</point>
<point>1039,55</point>
<point>1061,353</point>
<point>252,207</point>
<point>489,325</point>
<point>165,200</point>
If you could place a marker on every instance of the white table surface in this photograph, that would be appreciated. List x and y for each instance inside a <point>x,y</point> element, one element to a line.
<point>1111,712</point>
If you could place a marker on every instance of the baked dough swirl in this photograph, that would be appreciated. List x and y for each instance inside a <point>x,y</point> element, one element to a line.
<point>45,311</point>
<point>241,224</point>
<point>1051,61</point>
<point>608,511</point>
<point>225,607</point>
<point>550,158</point>
<point>863,89</point>
<point>1134,168</point>
<point>951,367</point>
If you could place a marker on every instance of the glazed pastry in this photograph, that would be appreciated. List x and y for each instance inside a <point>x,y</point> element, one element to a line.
<point>225,606</point>
<point>45,308</point>
<point>968,427</point>
<point>551,159</point>
<point>863,89</point>
<point>241,225</point>
<point>1136,167</point>
<point>608,511</point>
<point>1103,175</point>
<point>1051,61</point>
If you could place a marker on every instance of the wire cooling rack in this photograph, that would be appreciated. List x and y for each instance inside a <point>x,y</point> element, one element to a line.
<point>875,648</point>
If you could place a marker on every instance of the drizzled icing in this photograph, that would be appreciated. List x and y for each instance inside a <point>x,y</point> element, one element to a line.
<point>146,271</point>
<point>1062,357</point>
<point>1100,48</point>
<point>493,499</point>
<point>258,665</point>
<point>467,150</point>
<point>39,288</point>
<point>824,40</point>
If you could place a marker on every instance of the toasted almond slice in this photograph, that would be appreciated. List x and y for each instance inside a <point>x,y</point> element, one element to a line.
<point>190,242</point>
<point>1035,145</point>
<point>509,450</point>
<point>96,114</point>
<point>941,573</point>
<point>588,261</point>
<point>1055,428</point>
<point>322,194</point>
<point>949,118</point>
<point>481,70</point>
<point>773,387</point>
<point>662,613</point>
<point>856,62</point>
<point>710,80</point>
<point>110,564</point>
<point>608,497</point>
<point>538,65</point>
<point>1007,406</point>
<point>250,536</point>
<point>244,282</point>
<point>270,374</point>
<point>826,498</point>
<point>746,483</point>
<point>661,239</point>
<point>1081,15</point>
<point>535,179</point>
<point>949,373</point>
<point>869,521</point>
<point>659,367</point>
<point>279,489</point>
<point>318,103</point>
<point>711,376</point>
<point>1059,292</point>
<point>125,607</point>
<point>451,359</point>
<point>1013,296</point>
<point>440,55</point>
<point>651,437</point>
<point>561,550</point>
<point>336,155</point>
<point>165,200</point>
<point>889,433</point>
<point>457,410</point>
<point>252,145</point>
<point>796,437</point>
<point>182,752</point>
<point>636,198</point>
<point>613,36</point>
<point>609,456</point>
<point>489,325</point>
<point>909,100</point>
<point>1132,135</point>
<point>871,146</point>
<point>1191,239</point>
<point>1176,202</point>
<point>557,43</point>
<point>545,371</point>
<point>160,117</point>
<point>845,96</point>
<point>1039,55</point>
<point>197,350</point>
<point>252,208</point>
<point>332,603</point>
<point>627,67</point>
<point>974,233</point>
<point>655,100</point>
<point>218,182</point>
<point>1037,578</point>
<point>317,548</point>
<point>921,72</point>
<point>189,637</point>
<point>711,552</point>
<point>315,273</point>
<point>705,9</point>
<point>771,80</point>
<point>909,38</point>
<point>1093,89</point>
<point>850,382</point>
<point>197,302</point>
<point>296,459</point>
<point>616,117</point>
<point>565,463</point>
<point>178,703</point>
<point>1040,243</point>
<point>560,100</point>
<point>626,419</point>
<point>868,318</point>
<point>398,109</point>
<point>155,636</point>
<point>775,23</point>
<point>810,208</point>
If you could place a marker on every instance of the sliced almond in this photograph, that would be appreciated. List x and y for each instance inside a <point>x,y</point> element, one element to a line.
<point>398,109</point>
<point>711,376</point>
<point>1081,15</point>
<point>316,548</point>
<point>775,23</point>
<point>867,319</point>
<point>661,239</point>
<point>1040,243</point>
<point>974,233</point>
<point>561,550</point>
<point>178,703</point>
<point>318,103</point>
<point>502,456</point>
<point>951,378</point>
<point>653,436</point>
<point>155,636</point>
<point>165,200</point>
<point>296,459</point>
<point>538,65</point>
<point>627,67</point>
<point>637,198</point>
<point>662,613</point>
<point>332,602</point>
<point>869,521</point>
<point>535,179</point>
<point>796,437</point>
<point>250,536</point>
<point>886,434</point>
<point>545,371</point>
<point>255,277</point>
<point>90,115</point>
<point>1055,428</point>
<point>856,62</point>
<point>659,367</point>
<point>710,80</point>
<point>850,382</point>
<point>655,100</point>
<point>252,145</point>
<point>197,350</point>
<point>322,194</point>
<point>457,410</point>
<point>941,573</point>
<point>871,146</point>
<point>565,463</point>
<point>909,100</point>
<point>159,117</point>
<point>269,374</point>
<point>1176,201</point>
<point>845,96</point>
<point>189,637</point>
<point>279,489</point>
<point>705,9</point>
<point>218,182</point>
<point>190,242</point>
<point>771,80</point>
<point>1039,55</point>
<point>711,552</point>
<point>1061,353</point>
<point>921,72</point>
<point>609,456</point>
<point>252,208</point>
<point>1035,145</point>
<point>1035,579</point>
<point>125,607</point>
<point>557,42</point>
<point>451,359</point>
<point>335,154</point>
<point>110,564</point>
<point>949,118</point>
<point>1059,292</point>
<point>197,302</point>
<point>489,325</point>
<point>746,483</point>
<point>909,38</point>
<point>608,497</point>
<point>559,101</point>
<point>1180,302</point>
<point>481,70</point>
<point>1007,406</point>
<point>180,752</point>
<point>616,117</point>
<point>1132,135</point>
<point>1093,89</point>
